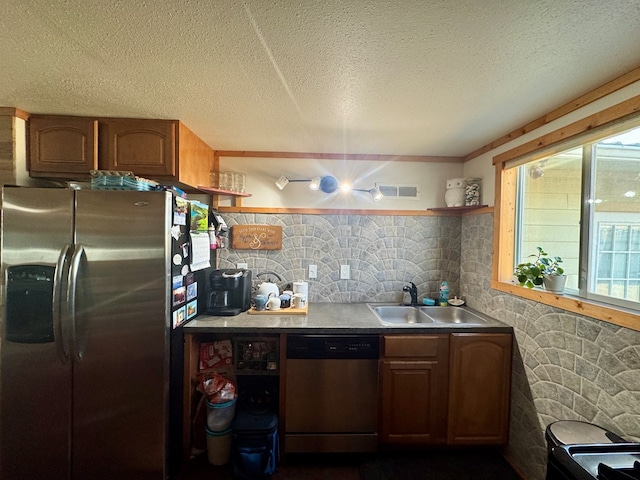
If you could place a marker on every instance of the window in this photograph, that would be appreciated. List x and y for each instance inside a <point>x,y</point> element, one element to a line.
<point>548,210</point>
<point>583,205</point>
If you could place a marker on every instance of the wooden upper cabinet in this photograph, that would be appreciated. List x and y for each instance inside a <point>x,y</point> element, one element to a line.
<point>479,388</point>
<point>195,160</point>
<point>163,150</point>
<point>59,146</point>
<point>146,147</point>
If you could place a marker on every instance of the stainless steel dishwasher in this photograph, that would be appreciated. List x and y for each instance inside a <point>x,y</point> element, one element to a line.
<point>331,393</point>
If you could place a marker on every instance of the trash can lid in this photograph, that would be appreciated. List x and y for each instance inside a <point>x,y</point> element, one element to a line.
<point>254,423</point>
<point>571,432</point>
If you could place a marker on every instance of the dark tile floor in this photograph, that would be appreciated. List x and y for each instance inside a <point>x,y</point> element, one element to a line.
<point>472,464</point>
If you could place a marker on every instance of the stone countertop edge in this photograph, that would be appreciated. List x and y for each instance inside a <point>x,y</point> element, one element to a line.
<point>328,318</point>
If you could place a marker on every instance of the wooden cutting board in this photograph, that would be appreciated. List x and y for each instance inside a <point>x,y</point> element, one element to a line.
<point>282,311</point>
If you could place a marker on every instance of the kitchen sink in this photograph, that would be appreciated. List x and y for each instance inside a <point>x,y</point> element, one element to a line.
<point>452,315</point>
<point>399,315</point>
<point>405,315</point>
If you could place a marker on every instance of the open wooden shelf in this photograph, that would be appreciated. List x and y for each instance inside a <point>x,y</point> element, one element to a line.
<point>457,209</point>
<point>218,191</point>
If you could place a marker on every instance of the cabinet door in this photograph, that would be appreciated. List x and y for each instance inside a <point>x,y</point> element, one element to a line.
<point>413,402</point>
<point>145,147</point>
<point>59,146</point>
<point>479,388</point>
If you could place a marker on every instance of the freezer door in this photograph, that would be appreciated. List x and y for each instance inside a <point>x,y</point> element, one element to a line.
<point>121,355</point>
<point>35,374</point>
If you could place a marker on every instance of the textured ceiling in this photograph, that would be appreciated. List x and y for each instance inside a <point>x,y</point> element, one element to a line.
<point>411,77</point>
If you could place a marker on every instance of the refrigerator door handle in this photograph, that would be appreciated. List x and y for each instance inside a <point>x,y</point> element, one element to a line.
<point>61,331</point>
<point>71,300</point>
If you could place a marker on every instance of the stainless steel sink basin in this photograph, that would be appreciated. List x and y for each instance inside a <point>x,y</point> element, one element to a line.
<point>452,315</point>
<point>407,316</point>
<point>399,315</point>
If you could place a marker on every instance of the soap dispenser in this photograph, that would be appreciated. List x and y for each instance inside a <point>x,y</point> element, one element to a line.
<point>444,293</point>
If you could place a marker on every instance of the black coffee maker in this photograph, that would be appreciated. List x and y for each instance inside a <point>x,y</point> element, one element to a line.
<point>230,292</point>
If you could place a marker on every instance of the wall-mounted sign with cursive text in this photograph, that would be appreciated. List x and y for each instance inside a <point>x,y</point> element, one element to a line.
<point>256,237</point>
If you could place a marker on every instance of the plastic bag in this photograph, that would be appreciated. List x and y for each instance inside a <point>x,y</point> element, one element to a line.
<point>217,388</point>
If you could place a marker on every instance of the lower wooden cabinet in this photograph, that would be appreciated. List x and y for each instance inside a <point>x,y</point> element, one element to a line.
<point>450,388</point>
<point>414,389</point>
<point>479,388</point>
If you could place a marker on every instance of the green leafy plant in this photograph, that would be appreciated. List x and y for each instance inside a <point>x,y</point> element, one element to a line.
<point>531,274</point>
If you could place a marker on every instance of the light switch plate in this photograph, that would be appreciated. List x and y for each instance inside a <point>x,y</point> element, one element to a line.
<point>345,272</point>
<point>313,271</point>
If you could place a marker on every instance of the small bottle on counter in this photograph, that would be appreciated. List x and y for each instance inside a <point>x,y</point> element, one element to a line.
<point>444,294</point>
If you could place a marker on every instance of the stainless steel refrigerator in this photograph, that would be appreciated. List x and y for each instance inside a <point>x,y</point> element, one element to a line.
<point>89,383</point>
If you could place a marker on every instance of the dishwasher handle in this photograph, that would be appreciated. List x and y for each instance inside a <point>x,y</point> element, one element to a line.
<point>333,346</point>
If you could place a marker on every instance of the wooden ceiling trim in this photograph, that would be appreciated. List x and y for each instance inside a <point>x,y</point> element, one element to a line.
<point>14,112</point>
<point>596,94</point>
<point>340,156</point>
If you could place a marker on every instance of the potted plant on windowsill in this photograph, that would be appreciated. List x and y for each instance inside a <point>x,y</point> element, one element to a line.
<point>544,270</point>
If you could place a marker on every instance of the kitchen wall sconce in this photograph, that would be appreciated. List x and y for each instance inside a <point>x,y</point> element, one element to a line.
<point>375,193</point>
<point>329,184</point>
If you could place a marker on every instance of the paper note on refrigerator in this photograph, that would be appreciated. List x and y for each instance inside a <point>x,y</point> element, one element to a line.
<point>199,251</point>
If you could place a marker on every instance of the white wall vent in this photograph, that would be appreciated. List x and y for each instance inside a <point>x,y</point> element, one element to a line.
<point>400,192</point>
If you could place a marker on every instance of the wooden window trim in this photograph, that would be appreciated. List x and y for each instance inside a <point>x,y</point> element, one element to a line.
<point>595,125</point>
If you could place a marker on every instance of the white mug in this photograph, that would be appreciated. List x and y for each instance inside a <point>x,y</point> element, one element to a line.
<point>273,303</point>
<point>299,300</point>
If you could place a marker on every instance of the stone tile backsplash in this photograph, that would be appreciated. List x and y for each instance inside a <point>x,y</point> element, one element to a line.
<point>566,366</point>
<point>383,252</point>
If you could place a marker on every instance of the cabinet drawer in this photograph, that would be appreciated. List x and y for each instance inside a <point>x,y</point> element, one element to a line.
<point>411,345</point>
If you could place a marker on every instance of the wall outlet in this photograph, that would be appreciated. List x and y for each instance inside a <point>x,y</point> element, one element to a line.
<point>345,272</point>
<point>242,265</point>
<point>313,271</point>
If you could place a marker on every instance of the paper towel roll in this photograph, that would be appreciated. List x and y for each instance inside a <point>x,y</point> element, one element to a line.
<point>301,287</point>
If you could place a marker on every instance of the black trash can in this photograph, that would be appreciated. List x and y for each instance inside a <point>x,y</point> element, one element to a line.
<point>255,447</point>
<point>571,432</point>
<point>560,465</point>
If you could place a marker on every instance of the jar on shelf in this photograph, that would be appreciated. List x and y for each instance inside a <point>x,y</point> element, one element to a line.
<point>238,182</point>
<point>472,192</point>
<point>214,179</point>
<point>225,181</point>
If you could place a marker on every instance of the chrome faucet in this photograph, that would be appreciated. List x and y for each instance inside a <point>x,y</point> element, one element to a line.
<point>413,291</point>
